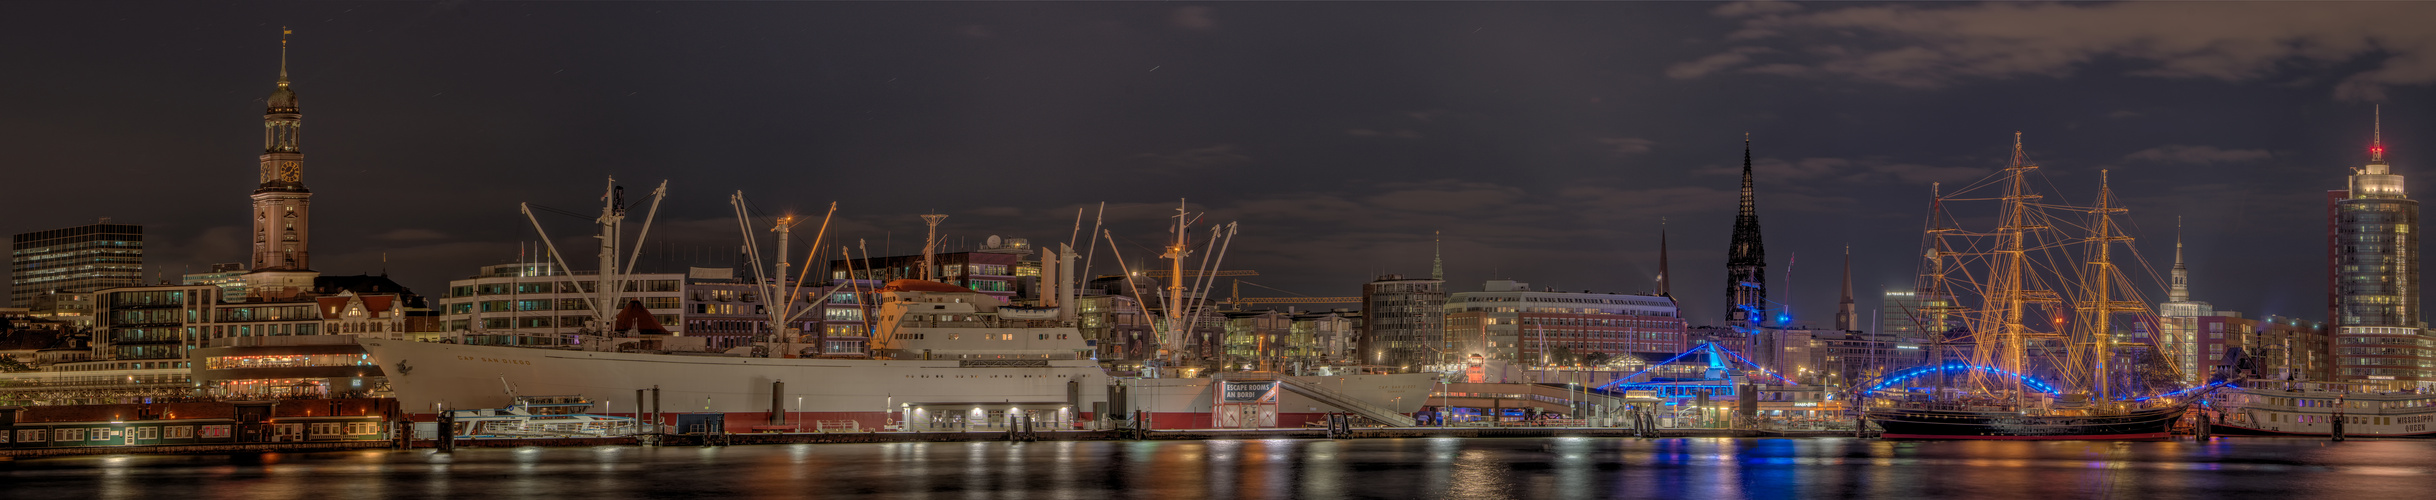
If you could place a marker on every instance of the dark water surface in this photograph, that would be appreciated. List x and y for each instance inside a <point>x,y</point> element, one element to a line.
<point>1380,468</point>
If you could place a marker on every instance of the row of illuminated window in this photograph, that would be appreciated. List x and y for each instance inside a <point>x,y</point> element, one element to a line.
<point>104,434</point>
<point>268,330</point>
<point>2413,361</point>
<point>2380,351</point>
<point>1460,297</point>
<point>567,286</point>
<point>286,361</point>
<point>666,320</point>
<point>550,305</point>
<point>70,257</point>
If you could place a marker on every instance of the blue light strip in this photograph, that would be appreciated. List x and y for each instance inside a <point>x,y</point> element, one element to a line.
<point>1738,357</point>
<point>1891,380</point>
<point>1713,349</point>
<point>1611,385</point>
<point>2184,391</point>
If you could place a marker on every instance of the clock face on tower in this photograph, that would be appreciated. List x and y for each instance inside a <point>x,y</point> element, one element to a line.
<point>288,171</point>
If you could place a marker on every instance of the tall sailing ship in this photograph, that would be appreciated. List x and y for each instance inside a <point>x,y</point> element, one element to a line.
<point>2026,315</point>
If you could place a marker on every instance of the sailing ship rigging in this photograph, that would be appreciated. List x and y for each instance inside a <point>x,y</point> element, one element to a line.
<point>2028,318</point>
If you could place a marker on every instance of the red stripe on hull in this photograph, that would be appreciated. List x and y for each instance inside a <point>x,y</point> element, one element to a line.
<point>2093,437</point>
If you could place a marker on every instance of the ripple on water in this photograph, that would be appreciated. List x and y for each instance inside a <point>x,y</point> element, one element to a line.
<point>1382,468</point>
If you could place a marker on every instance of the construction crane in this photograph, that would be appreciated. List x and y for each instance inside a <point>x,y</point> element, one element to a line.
<point>1236,297</point>
<point>1195,274</point>
<point>1295,300</point>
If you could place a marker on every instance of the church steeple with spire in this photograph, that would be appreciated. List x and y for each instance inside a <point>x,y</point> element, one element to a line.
<point>1847,314</point>
<point>282,260</point>
<point>1437,256</point>
<point>1664,271</point>
<point>2181,292</point>
<point>1747,258</point>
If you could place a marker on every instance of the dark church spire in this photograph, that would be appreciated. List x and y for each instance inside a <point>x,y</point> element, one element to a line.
<point>1663,270</point>
<point>1847,314</point>
<point>1747,258</point>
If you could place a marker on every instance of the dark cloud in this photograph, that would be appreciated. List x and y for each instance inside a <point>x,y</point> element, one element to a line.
<point>1805,171</point>
<point>1198,158</point>
<point>1941,46</point>
<point>1396,134</point>
<point>408,234</point>
<point>1547,141</point>
<point>2197,155</point>
<point>1195,18</point>
<point>1627,145</point>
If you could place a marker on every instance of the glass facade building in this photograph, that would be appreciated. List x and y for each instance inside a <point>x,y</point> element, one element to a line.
<point>77,259</point>
<point>2373,281</point>
<point>1405,325</point>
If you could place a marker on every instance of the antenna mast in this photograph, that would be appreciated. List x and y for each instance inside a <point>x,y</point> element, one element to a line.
<point>930,245</point>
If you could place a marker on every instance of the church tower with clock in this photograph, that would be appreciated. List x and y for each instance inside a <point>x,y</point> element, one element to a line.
<point>282,263</point>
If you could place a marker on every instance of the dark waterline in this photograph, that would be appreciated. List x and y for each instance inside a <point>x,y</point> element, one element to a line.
<point>1384,468</point>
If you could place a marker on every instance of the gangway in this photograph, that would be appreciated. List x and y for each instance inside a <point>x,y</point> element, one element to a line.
<point>1332,398</point>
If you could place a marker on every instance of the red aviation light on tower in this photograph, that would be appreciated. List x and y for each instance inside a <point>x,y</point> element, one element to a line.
<point>2376,141</point>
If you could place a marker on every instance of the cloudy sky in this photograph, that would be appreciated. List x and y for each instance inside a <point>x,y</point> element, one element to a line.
<point>1549,142</point>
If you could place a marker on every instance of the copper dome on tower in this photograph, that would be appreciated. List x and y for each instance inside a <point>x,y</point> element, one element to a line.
<point>284,99</point>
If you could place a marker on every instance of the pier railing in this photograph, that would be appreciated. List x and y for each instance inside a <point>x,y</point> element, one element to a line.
<point>1332,398</point>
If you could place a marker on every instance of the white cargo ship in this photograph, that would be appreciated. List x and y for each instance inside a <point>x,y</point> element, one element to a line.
<point>964,362</point>
<point>944,357</point>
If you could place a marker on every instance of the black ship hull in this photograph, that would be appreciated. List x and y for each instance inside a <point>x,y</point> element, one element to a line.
<point>1903,423</point>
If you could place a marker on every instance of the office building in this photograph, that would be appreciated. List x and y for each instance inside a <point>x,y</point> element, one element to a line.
<point>2373,280</point>
<point>1507,321</point>
<point>75,259</point>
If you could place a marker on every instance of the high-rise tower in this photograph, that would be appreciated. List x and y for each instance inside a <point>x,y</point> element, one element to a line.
<point>2374,264</point>
<point>1746,258</point>
<point>282,212</point>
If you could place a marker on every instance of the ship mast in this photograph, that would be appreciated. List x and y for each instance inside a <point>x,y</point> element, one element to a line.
<point>2010,352</point>
<point>2097,301</point>
<point>780,312</point>
<point>1173,340</point>
<point>611,281</point>
<point>1933,285</point>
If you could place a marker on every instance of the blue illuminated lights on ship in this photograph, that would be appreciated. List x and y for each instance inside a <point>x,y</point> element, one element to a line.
<point>1897,378</point>
<point>2188,390</point>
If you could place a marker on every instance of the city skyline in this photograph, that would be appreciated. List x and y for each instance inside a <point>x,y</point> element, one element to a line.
<point>1548,166</point>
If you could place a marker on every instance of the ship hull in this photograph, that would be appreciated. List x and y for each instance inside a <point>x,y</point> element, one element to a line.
<point>2152,424</point>
<point>2314,413</point>
<point>871,393</point>
<point>2221,429</point>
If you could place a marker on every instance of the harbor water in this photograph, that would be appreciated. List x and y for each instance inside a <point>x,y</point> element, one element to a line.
<point>1373,468</point>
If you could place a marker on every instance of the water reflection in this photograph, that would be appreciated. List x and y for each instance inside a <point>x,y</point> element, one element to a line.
<point>1412,468</point>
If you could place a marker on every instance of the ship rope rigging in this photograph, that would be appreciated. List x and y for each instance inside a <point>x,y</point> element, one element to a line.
<point>1182,305</point>
<point>2036,295</point>
<point>611,279</point>
<point>779,312</point>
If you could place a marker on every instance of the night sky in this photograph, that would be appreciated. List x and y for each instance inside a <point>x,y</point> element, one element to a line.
<point>1547,140</point>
